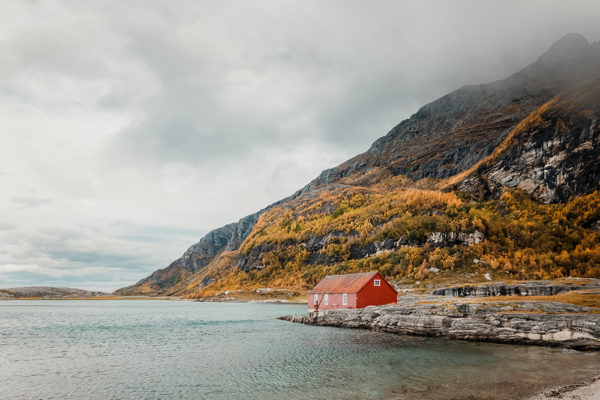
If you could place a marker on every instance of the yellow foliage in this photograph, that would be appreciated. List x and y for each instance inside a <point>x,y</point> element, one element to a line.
<point>525,240</point>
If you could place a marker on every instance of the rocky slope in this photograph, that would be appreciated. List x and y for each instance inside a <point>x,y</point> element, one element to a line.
<point>531,322</point>
<point>551,155</point>
<point>174,278</point>
<point>47,292</point>
<point>454,132</point>
<point>534,131</point>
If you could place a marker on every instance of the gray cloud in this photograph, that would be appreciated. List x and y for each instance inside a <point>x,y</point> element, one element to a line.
<point>30,201</point>
<point>128,129</point>
<point>7,227</point>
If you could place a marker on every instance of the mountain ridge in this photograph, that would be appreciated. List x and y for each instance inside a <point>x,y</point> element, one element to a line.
<point>443,138</point>
<point>48,292</point>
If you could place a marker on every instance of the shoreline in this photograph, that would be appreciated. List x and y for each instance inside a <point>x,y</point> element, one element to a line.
<point>98,298</point>
<point>164,298</point>
<point>588,390</point>
<point>267,301</point>
<point>522,322</point>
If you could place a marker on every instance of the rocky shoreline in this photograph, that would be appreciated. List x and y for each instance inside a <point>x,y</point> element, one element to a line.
<point>523,322</point>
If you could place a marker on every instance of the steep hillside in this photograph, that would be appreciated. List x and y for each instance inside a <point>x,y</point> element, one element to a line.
<point>551,155</point>
<point>452,133</point>
<point>174,278</point>
<point>534,131</point>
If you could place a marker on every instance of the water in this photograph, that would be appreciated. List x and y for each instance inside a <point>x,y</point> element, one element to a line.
<point>187,350</point>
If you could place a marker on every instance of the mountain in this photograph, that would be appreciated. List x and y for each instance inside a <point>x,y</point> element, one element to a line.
<point>469,185</point>
<point>452,133</point>
<point>551,155</point>
<point>48,292</point>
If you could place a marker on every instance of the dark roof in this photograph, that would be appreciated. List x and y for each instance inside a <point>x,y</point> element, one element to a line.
<point>349,283</point>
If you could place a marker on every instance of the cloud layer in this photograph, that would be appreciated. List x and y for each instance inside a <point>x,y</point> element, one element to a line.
<point>130,129</point>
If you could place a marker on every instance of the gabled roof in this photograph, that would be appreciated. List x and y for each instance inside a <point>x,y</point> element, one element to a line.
<point>349,283</point>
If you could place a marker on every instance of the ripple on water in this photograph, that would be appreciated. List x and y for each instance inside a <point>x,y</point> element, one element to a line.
<point>185,350</point>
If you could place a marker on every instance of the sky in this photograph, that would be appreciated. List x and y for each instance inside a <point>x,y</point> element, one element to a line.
<point>128,130</point>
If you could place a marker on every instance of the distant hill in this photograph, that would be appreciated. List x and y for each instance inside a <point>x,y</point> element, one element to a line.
<point>497,180</point>
<point>46,292</point>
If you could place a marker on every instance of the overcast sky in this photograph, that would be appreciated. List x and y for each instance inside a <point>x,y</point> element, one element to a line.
<point>129,129</point>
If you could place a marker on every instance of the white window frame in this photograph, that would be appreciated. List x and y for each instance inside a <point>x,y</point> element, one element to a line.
<point>315,299</point>
<point>326,299</point>
<point>377,282</point>
<point>345,299</point>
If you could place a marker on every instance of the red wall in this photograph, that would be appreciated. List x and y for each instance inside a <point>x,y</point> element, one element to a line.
<point>335,301</point>
<point>371,295</point>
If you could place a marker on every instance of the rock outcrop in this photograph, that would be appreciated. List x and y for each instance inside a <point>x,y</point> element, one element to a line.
<point>534,288</point>
<point>314,245</point>
<point>172,278</point>
<point>551,156</point>
<point>444,239</point>
<point>454,132</point>
<point>531,322</point>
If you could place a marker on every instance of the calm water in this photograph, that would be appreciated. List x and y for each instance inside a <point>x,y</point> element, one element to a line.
<point>187,350</point>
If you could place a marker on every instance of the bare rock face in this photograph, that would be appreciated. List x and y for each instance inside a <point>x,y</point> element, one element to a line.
<point>536,323</point>
<point>454,132</point>
<point>444,239</point>
<point>314,245</point>
<point>196,257</point>
<point>553,155</point>
<point>535,288</point>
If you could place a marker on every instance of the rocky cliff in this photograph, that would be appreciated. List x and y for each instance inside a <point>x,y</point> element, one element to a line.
<point>535,288</point>
<point>551,155</point>
<point>535,131</point>
<point>454,132</point>
<point>175,277</point>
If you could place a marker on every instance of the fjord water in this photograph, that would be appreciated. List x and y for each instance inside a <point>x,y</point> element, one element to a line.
<point>189,350</point>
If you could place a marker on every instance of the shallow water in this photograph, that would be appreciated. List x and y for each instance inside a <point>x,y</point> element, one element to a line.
<point>188,350</point>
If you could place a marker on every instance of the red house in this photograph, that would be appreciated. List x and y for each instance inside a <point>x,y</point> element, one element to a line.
<point>351,291</point>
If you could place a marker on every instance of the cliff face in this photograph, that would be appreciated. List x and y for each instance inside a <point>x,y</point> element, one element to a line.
<point>175,277</point>
<point>535,131</point>
<point>535,288</point>
<point>552,155</point>
<point>454,132</point>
